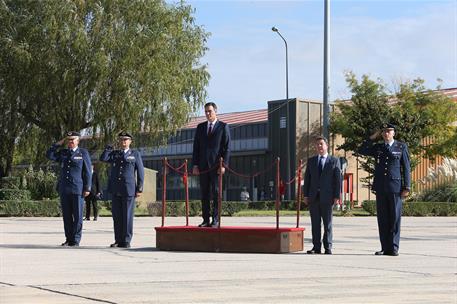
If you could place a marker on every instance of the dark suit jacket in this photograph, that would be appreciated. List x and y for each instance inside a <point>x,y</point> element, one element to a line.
<point>328,184</point>
<point>95,184</point>
<point>75,173</point>
<point>127,171</point>
<point>209,148</point>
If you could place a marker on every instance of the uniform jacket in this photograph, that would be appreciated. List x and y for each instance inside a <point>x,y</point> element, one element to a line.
<point>392,167</point>
<point>127,171</point>
<point>329,182</point>
<point>95,184</point>
<point>209,148</point>
<point>75,169</point>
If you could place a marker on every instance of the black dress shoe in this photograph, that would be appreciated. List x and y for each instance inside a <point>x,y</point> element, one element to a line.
<point>380,252</point>
<point>114,245</point>
<point>124,245</point>
<point>73,244</point>
<point>66,243</point>
<point>214,224</point>
<point>205,224</point>
<point>391,252</point>
<point>87,219</point>
<point>328,251</point>
<point>313,251</point>
<point>95,218</point>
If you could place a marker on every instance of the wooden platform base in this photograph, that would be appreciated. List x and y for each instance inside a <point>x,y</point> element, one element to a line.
<point>230,239</point>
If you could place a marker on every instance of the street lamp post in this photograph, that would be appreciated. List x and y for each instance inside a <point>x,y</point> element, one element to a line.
<point>288,195</point>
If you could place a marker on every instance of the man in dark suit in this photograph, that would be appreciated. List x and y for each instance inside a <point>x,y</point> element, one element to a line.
<point>73,185</point>
<point>125,183</point>
<point>94,195</point>
<point>211,142</point>
<point>392,183</point>
<point>322,187</point>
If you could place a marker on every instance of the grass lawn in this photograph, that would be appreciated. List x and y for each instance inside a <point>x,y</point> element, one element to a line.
<point>354,212</point>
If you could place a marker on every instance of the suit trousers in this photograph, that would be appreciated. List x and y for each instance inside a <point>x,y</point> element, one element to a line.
<point>209,192</point>
<point>389,207</point>
<point>321,210</point>
<point>72,210</point>
<point>91,199</point>
<point>123,211</point>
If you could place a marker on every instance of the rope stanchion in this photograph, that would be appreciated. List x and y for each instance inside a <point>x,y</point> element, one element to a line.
<point>299,192</point>
<point>278,195</point>
<point>186,186</point>
<point>219,201</point>
<point>164,190</point>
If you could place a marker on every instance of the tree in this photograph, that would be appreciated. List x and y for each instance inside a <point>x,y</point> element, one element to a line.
<point>102,66</point>
<point>417,112</point>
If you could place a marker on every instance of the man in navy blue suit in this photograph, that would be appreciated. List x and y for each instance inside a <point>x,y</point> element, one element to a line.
<point>392,183</point>
<point>125,183</point>
<point>321,188</point>
<point>211,142</point>
<point>74,184</point>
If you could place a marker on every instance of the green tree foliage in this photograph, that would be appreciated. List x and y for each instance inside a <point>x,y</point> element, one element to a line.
<point>417,112</point>
<point>102,66</point>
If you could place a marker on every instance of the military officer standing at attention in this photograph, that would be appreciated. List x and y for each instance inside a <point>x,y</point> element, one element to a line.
<point>73,185</point>
<point>391,184</point>
<point>125,183</point>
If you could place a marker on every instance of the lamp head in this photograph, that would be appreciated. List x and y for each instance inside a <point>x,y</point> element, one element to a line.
<point>274,29</point>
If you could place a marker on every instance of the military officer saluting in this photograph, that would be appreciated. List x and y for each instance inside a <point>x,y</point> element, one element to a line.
<point>391,184</point>
<point>125,183</point>
<point>73,185</point>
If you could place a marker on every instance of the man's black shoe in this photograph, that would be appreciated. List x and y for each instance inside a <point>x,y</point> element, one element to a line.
<point>114,245</point>
<point>391,253</point>
<point>124,245</point>
<point>204,224</point>
<point>328,251</point>
<point>87,218</point>
<point>73,244</point>
<point>313,251</point>
<point>215,224</point>
<point>95,218</point>
<point>66,243</point>
<point>380,252</point>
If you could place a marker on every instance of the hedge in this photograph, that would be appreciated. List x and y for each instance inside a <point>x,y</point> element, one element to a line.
<point>179,208</point>
<point>419,208</point>
<point>15,194</point>
<point>30,208</point>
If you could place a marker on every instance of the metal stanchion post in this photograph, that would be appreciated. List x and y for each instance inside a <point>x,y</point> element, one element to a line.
<point>299,191</point>
<point>186,185</point>
<point>277,193</point>
<point>164,190</point>
<point>219,202</point>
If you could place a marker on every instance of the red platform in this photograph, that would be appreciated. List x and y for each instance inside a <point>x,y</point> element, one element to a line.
<point>230,239</point>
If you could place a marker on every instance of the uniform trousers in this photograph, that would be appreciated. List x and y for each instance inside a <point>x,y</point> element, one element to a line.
<point>72,210</point>
<point>91,199</point>
<point>389,207</point>
<point>123,211</point>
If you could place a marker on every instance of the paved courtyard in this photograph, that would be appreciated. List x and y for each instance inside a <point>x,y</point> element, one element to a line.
<point>34,269</point>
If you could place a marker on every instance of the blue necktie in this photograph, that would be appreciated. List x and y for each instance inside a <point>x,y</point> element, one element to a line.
<point>321,164</point>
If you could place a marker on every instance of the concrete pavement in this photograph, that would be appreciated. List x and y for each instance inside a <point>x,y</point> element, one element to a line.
<point>34,269</point>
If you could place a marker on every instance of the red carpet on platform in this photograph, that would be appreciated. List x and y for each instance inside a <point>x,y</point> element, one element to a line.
<point>230,239</point>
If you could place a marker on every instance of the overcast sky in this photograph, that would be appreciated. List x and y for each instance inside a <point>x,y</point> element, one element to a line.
<point>394,40</point>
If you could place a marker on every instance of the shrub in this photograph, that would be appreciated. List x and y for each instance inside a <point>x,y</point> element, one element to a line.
<point>419,208</point>
<point>30,208</point>
<point>14,194</point>
<point>41,184</point>
<point>10,182</point>
<point>446,192</point>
